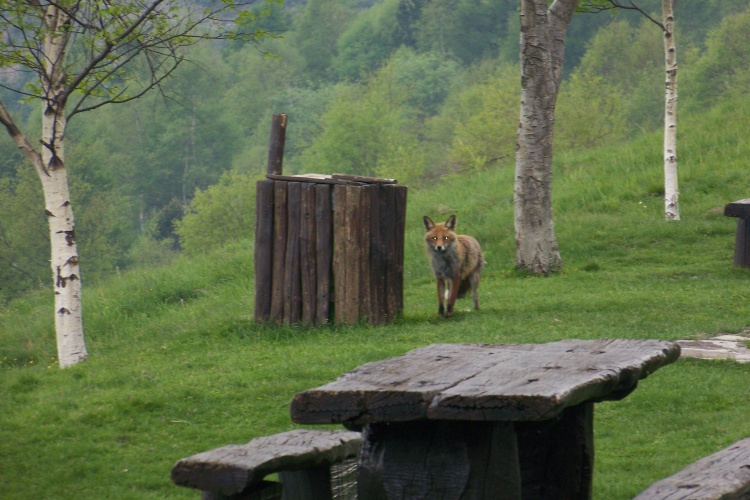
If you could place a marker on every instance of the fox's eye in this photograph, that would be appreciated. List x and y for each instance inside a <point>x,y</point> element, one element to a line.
<point>447,238</point>
<point>434,237</point>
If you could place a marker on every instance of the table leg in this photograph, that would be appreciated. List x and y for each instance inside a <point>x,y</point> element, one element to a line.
<point>557,456</point>
<point>439,459</point>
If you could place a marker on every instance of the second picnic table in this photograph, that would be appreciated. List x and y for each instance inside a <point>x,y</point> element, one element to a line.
<point>481,421</point>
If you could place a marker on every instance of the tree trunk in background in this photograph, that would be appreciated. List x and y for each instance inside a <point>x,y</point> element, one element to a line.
<point>542,53</point>
<point>671,192</point>
<point>71,347</point>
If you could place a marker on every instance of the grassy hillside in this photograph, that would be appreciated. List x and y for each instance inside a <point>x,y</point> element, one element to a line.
<point>177,365</point>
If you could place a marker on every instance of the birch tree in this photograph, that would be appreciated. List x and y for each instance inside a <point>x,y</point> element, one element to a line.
<point>543,31</point>
<point>671,187</point>
<point>81,55</point>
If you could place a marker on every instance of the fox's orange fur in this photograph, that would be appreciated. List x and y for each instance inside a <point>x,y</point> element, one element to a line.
<point>456,261</point>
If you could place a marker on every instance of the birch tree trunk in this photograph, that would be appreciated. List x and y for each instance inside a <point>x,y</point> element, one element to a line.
<point>71,347</point>
<point>671,193</point>
<point>542,53</point>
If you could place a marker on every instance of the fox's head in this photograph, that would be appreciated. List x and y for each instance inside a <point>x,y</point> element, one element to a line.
<point>440,237</point>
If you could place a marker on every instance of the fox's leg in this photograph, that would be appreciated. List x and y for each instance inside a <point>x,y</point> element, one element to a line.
<point>455,285</point>
<point>441,294</point>
<point>474,278</point>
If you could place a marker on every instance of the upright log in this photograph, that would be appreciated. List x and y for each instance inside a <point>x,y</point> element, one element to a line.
<point>308,257</point>
<point>263,250</point>
<point>339,253</point>
<point>324,252</point>
<point>279,251</point>
<point>292,284</point>
<point>276,144</point>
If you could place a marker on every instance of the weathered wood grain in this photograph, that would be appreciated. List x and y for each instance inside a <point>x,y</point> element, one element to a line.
<point>723,475</point>
<point>339,253</point>
<point>480,382</point>
<point>232,469</point>
<point>308,254</point>
<point>353,254</point>
<point>263,250</point>
<point>292,284</point>
<point>279,251</point>
<point>324,252</point>
<point>276,144</point>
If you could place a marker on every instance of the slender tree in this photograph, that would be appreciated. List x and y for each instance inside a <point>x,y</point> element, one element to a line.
<point>543,31</point>
<point>671,188</point>
<point>73,56</point>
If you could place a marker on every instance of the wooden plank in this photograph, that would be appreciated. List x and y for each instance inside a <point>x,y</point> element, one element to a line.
<point>339,252</point>
<point>263,261</point>
<point>324,251</point>
<point>396,276</point>
<point>392,283</point>
<point>360,178</point>
<point>385,222</point>
<point>292,284</point>
<point>363,245</point>
<point>740,208</point>
<point>725,474</point>
<point>231,469</point>
<point>352,254</point>
<point>312,179</point>
<point>279,251</point>
<point>480,382</point>
<point>308,264</point>
<point>378,312</point>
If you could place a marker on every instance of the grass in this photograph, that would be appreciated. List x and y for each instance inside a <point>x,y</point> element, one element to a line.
<point>177,365</point>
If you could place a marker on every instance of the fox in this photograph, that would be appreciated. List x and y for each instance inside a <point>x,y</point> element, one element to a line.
<point>456,261</point>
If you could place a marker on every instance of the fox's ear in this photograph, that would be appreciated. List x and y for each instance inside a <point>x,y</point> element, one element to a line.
<point>450,224</point>
<point>428,224</point>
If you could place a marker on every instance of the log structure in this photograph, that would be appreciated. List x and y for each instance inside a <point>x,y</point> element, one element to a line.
<point>328,248</point>
<point>329,251</point>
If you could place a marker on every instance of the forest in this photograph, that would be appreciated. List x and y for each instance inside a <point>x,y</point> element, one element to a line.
<point>417,90</point>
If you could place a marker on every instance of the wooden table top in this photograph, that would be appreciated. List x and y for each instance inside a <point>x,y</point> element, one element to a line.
<point>484,382</point>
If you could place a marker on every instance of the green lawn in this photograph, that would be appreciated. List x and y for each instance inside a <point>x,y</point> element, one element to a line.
<point>177,365</point>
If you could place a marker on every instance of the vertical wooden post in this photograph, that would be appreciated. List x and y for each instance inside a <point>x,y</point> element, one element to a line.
<point>308,257</point>
<point>279,251</point>
<point>276,144</point>
<point>324,251</point>
<point>339,253</point>
<point>292,284</point>
<point>263,250</point>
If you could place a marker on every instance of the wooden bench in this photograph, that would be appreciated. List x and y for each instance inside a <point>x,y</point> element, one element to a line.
<point>724,475</point>
<point>740,209</point>
<point>302,458</point>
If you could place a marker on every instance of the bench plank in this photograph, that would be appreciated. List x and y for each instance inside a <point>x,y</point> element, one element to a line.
<point>724,475</point>
<point>231,469</point>
<point>739,208</point>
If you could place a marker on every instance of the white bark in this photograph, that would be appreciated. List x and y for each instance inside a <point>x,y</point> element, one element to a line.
<point>671,193</point>
<point>71,347</point>
<point>542,52</point>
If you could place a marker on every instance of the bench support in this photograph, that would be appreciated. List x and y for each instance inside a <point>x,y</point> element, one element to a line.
<point>741,210</point>
<point>468,460</point>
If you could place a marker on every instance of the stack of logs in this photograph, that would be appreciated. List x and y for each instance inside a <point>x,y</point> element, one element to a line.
<point>329,248</point>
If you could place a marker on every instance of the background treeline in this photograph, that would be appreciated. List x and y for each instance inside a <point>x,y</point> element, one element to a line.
<point>411,89</point>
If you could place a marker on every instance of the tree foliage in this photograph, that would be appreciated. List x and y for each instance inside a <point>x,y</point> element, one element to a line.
<point>400,88</point>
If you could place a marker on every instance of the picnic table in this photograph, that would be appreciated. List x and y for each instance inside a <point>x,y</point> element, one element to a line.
<point>481,421</point>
